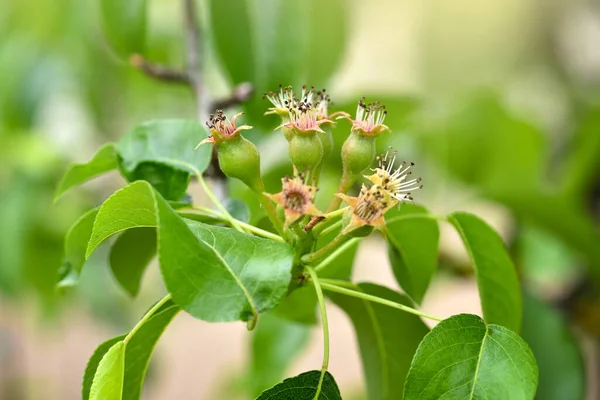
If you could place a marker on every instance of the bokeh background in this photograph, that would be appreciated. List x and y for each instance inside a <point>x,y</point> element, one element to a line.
<point>496,102</point>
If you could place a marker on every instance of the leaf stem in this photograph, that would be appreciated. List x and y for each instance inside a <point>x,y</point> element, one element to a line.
<point>217,203</point>
<point>247,227</point>
<point>330,258</point>
<point>324,323</point>
<point>146,317</point>
<point>324,251</point>
<point>271,213</point>
<point>349,292</point>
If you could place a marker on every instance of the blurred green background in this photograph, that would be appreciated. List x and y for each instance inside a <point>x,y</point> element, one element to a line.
<point>498,103</point>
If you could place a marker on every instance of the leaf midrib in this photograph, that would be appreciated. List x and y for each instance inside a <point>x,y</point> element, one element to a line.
<point>479,362</point>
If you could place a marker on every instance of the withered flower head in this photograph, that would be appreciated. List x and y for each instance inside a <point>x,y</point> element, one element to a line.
<point>368,208</point>
<point>221,128</point>
<point>296,198</point>
<point>393,182</point>
<point>369,118</point>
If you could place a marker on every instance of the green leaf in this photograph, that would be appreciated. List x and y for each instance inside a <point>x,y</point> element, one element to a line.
<point>129,207</point>
<point>413,249</point>
<point>301,303</point>
<point>388,338</point>
<point>496,276</point>
<point>562,373</point>
<point>238,210</point>
<point>463,358</point>
<point>234,30</point>
<point>124,25</point>
<point>214,273</point>
<point>162,153</point>
<point>92,365</point>
<point>140,349</point>
<point>275,344</point>
<point>103,161</point>
<point>303,386</point>
<point>223,275</point>
<point>130,255</point>
<point>76,240</point>
<point>108,380</point>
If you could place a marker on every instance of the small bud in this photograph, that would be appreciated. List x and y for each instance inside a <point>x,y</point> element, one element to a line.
<point>238,157</point>
<point>369,119</point>
<point>358,154</point>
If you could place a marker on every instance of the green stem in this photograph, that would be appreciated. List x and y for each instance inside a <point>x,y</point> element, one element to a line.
<point>329,219</point>
<point>324,251</point>
<point>375,299</point>
<point>323,309</point>
<point>332,227</point>
<point>345,185</point>
<point>217,203</point>
<point>330,258</point>
<point>247,227</point>
<point>271,212</point>
<point>146,317</point>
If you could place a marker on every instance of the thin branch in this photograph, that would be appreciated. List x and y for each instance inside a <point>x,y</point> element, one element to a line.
<point>241,93</point>
<point>158,71</point>
<point>194,70</point>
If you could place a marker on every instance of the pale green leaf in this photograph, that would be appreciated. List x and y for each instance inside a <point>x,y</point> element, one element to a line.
<point>463,358</point>
<point>129,207</point>
<point>140,349</point>
<point>497,280</point>
<point>92,365</point>
<point>77,238</point>
<point>103,161</point>
<point>388,338</point>
<point>108,380</point>
<point>303,387</point>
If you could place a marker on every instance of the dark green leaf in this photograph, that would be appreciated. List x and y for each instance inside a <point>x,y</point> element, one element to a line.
<point>162,153</point>
<point>327,39</point>
<point>562,373</point>
<point>76,240</point>
<point>388,338</point>
<point>463,358</point>
<point>92,365</point>
<point>170,182</point>
<point>275,343</point>
<point>108,380</point>
<point>234,30</point>
<point>413,249</point>
<point>130,255</point>
<point>103,161</point>
<point>124,24</point>
<point>214,273</point>
<point>303,387</point>
<point>496,276</point>
<point>140,349</point>
<point>238,210</point>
